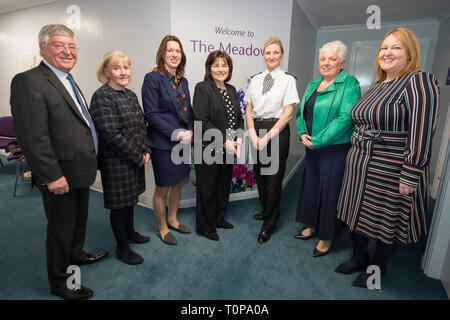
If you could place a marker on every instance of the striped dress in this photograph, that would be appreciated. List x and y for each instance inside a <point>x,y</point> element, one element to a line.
<point>394,125</point>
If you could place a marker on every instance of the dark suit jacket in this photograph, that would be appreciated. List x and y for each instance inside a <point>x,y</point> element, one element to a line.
<point>210,108</point>
<point>54,137</point>
<point>161,110</point>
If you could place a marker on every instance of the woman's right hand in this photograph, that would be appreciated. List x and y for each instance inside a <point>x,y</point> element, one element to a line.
<point>306,140</point>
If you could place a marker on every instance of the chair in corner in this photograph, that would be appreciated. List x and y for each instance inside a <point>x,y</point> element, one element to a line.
<point>7,133</point>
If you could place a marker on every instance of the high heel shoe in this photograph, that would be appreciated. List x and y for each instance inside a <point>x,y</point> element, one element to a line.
<point>302,237</point>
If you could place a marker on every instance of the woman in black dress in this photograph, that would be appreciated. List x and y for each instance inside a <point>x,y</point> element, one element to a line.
<point>120,125</point>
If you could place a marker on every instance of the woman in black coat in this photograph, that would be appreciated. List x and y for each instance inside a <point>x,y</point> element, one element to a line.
<point>120,125</point>
<point>215,106</point>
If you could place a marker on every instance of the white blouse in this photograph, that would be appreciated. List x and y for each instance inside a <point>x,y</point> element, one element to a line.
<point>282,93</point>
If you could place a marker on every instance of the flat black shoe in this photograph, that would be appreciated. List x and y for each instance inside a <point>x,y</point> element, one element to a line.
<point>258,216</point>
<point>212,235</point>
<point>302,237</point>
<point>225,225</point>
<point>90,258</point>
<point>136,237</point>
<point>355,263</point>
<point>83,293</point>
<point>129,257</point>
<point>263,236</point>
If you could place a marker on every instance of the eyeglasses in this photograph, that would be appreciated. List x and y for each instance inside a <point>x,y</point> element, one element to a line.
<point>60,47</point>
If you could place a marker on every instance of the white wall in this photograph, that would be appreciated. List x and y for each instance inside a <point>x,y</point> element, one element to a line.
<point>135,27</point>
<point>441,65</point>
<point>301,65</point>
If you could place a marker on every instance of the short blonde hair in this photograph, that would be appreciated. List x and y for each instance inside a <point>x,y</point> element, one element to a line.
<point>111,57</point>
<point>337,47</point>
<point>408,39</point>
<point>273,40</point>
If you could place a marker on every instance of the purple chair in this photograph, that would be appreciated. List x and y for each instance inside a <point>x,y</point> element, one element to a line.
<point>7,133</point>
<point>19,157</point>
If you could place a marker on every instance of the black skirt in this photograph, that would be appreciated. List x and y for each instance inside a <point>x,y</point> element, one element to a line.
<point>320,188</point>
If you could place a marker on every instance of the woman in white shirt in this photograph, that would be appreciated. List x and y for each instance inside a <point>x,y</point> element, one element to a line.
<point>271,97</point>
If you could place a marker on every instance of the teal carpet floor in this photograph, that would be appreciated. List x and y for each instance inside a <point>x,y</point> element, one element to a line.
<point>235,268</point>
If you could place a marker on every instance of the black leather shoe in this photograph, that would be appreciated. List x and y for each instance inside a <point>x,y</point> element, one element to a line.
<point>263,236</point>
<point>258,216</point>
<point>225,225</point>
<point>77,294</point>
<point>91,258</point>
<point>212,235</point>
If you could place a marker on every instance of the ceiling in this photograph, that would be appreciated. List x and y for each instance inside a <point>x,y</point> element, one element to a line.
<point>324,13</point>
<point>12,5</point>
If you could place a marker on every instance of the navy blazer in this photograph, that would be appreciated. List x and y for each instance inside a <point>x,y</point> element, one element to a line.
<point>161,110</point>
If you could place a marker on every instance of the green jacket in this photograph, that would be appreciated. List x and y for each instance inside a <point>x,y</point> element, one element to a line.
<point>338,128</point>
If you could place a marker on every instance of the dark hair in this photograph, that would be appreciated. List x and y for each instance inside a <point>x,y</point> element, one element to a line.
<point>162,52</point>
<point>212,58</point>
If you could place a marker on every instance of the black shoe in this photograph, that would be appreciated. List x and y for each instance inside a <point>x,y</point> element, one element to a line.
<point>361,279</point>
<point>76,294</point>
<point>258,216</point>
<point>212,235</point>
<point>317,253</point>
<point>302,237</point>
<point>355,263</point>
<point>136,237</point>
<point>90,258</point>
<point>129,256</point>
<point>263,236</point>
<point>225,225</point>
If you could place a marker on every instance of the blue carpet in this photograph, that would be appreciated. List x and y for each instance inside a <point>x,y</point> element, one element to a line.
<point>235,268</point>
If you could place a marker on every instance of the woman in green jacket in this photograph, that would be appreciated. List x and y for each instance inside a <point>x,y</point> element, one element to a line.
<point>325,128</point>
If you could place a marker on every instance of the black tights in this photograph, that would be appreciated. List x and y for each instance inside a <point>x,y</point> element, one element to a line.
<point>122,223</point>
<point>383,251</point>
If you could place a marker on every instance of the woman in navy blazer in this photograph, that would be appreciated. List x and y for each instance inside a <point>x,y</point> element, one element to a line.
<point>168,111</point>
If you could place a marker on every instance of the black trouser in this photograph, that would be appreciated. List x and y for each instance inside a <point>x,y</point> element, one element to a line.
<point>383,251</point>
<point>66,231</point>
<point>213,191</point>
<point>270,186</point>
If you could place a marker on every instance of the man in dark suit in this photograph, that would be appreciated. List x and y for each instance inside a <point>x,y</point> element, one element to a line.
<point>58,139</point>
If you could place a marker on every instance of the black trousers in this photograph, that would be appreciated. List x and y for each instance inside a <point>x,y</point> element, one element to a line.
<point>270,185</point>
<point>66,232</point>
<point>213,192</point>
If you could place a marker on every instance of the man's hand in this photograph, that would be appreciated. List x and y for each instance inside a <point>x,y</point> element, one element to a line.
<point>59,186</point>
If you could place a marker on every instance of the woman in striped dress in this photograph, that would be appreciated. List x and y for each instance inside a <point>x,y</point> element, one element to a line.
<point>384,193</point>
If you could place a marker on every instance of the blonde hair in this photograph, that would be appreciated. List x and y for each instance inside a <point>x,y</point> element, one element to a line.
<point>408,39</point>
<point>110,57</point>
<point>273,40</point>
